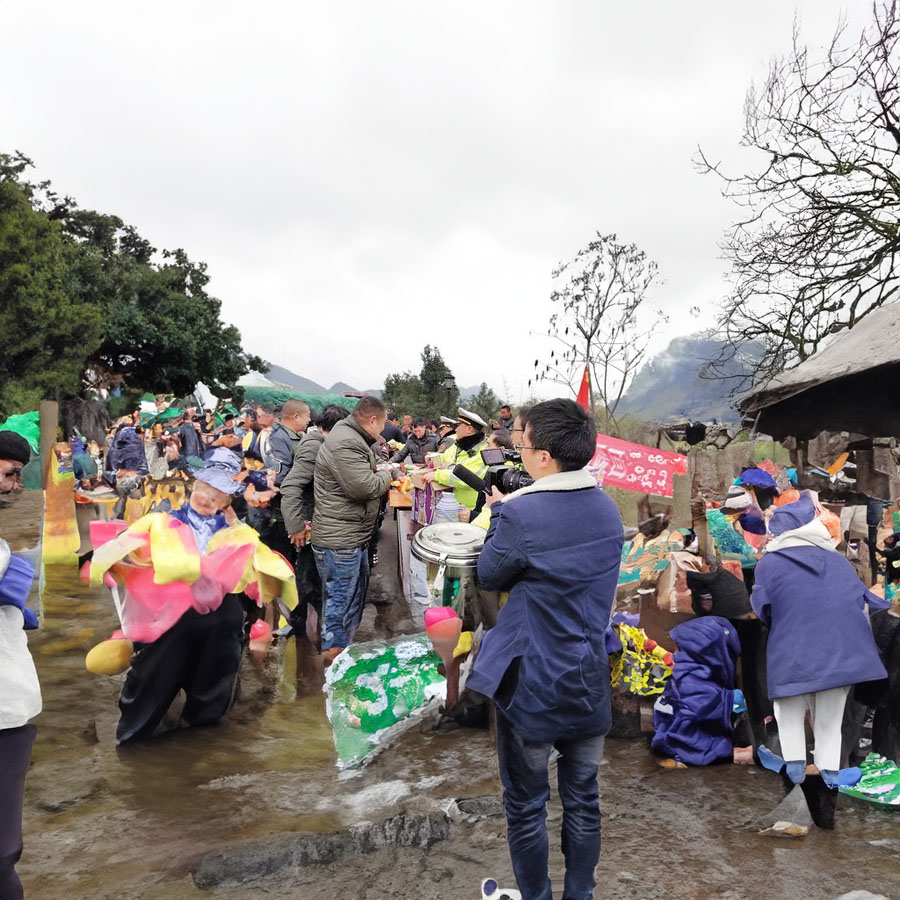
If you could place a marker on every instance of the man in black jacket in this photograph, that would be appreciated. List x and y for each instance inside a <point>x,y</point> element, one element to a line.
<point>417,444</point>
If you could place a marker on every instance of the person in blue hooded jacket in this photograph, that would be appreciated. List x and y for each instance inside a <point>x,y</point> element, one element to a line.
<point>555,546</point>
<point>820,640</point>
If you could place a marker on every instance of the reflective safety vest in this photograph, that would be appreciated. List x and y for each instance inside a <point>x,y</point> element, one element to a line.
<point>470,459</point>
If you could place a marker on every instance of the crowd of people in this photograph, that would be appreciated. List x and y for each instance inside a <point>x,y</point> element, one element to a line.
<point>313,488</point>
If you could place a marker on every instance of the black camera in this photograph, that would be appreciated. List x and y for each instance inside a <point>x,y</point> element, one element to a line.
<point>501,476</point>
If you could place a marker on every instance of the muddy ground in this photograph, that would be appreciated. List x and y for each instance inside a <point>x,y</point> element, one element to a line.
<point>133,825</point>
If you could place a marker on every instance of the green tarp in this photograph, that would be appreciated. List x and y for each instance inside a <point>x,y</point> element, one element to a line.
<point>278,396</point>
<point>28,425</point>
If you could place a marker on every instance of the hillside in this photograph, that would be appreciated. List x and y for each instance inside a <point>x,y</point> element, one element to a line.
<point>670,386</point>
<point>281,375</point>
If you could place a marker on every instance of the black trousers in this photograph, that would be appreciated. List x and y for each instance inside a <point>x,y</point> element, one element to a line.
<point>200,654</point>
<point>753,636</point>
<point>269,524</point>
<point>15,754</point>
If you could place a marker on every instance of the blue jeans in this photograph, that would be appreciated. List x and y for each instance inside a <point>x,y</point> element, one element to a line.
<point>345,579</point>
<point>526,789</point>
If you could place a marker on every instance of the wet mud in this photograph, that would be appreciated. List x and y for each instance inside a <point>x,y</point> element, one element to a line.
<point>104,823</point>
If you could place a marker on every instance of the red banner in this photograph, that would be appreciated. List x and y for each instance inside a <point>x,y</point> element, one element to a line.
<point>634,467</point>
<point>584,392</point>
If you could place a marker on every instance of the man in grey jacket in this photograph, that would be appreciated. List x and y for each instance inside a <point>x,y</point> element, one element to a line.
<point>348,494</point>
<point>298,506</point>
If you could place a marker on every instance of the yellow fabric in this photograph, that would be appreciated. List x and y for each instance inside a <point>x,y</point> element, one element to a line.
<point>152,539</point>
<point>60,539</point>
<point>483,519</point>
<point>465,643</point>
<point>271,571</point>
<point>471,460</point>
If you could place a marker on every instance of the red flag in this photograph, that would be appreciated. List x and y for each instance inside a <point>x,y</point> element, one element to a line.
<point>584,392</point>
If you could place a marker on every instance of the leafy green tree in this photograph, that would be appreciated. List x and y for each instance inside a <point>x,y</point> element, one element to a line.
<point>440,395</point>
<point>161,330</point>
<point>46,334</point>
<point>403,393</point>
<point>485,403</point>
<point>431,393</point>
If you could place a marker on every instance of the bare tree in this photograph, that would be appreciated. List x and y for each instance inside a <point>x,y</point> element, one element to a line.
<point>598,320</point>
<point>816,249</point>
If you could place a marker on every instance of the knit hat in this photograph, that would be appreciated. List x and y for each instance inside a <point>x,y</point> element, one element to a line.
<point>793,515</point>
<point>757,478</point>
<point>219,469</point>
<point>14,447</point>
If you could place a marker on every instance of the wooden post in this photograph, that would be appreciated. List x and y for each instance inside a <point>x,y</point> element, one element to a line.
<point>49,422</point>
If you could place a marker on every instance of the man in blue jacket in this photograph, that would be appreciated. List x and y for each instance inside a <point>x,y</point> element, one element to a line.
<point>555,546</point>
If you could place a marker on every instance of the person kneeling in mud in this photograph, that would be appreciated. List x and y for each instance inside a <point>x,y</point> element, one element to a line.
<point>820,644</point>
<point>201,653</point>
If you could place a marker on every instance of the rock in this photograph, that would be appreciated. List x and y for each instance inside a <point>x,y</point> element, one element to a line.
<point>244,861</point>
<point>861,895</point>
<point>471,809</point>
<point>57,798</point>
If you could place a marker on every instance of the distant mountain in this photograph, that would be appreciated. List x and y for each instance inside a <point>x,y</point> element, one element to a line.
<point>280,375</point>
<point>670,386</point>
<point>341,387</point>
<point>467,393</point>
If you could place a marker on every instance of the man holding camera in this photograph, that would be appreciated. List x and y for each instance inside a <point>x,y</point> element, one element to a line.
<point>555,545</point>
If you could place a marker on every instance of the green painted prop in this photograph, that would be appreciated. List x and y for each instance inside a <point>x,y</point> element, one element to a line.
<point>880,782</point>
<point>374,688</point>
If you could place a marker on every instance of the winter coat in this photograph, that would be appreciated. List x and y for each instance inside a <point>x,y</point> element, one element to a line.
<point>819,634</point>
<point>347,488</point>
<point>126,452</point>
<point>727,592</point>
<point>297,492</point>
<point>391,432</point>
<point>20,691</point>
<point>555,546</point>
<point>283,443</point>
<point>416,448</point>
<point>692,718</point>
<point>190,440</point>
<point>468,457</point>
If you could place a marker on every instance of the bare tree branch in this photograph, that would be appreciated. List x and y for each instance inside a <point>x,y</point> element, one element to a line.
<point>817,247</point>
<point>600,321</point>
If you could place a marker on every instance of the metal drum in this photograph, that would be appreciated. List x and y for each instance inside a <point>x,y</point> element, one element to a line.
<point>450,552</point>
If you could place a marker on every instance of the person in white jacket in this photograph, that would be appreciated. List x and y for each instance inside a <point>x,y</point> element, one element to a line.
<point>20,691</point>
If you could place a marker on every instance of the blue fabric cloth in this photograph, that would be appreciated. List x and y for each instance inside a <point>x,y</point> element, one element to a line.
<point>792,515</point>
<point>127,452</point>
<point>220,465</point>
<point>523,772</point>
<point>557,552</point>
<point>345,580</point>
<point>819,635</point>
<point>190,440</point>
<point>692,718</point>
<point>14,587</point>
<point>757,478</point>
<point>203,527</point>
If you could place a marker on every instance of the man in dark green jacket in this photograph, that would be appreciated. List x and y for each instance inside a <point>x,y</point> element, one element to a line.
<point>348,494</point>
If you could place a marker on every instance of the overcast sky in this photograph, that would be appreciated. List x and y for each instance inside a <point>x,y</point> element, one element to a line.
<point>366,177</point>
